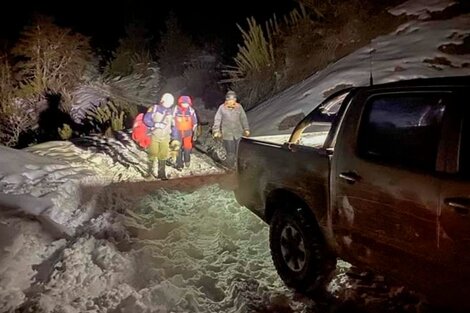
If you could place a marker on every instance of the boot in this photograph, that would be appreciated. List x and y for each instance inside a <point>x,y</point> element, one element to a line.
<point>187,158</point>
<point>161,170</point>
<point>179,162</point>
<point>149,172</point>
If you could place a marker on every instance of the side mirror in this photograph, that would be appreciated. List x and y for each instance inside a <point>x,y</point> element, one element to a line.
<point>291,146</point>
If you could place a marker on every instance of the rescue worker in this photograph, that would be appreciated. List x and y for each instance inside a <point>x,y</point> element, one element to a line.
<point>230,124</point>
<point>184,130</point>
<point>159,119</point>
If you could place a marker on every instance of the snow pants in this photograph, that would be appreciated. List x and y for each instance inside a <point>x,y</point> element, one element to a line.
<point>159,148</point>
<point>231,148</point>
<point>184,155</point>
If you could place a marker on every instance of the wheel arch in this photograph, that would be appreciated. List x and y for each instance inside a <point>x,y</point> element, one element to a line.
<point>282,199</point>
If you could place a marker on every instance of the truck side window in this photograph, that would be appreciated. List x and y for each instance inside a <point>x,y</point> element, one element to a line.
<point>402,129</point>
<point>313,129</point>
<point>464,162</point>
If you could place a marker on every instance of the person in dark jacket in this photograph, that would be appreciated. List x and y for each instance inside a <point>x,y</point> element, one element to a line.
<point>230,124</point>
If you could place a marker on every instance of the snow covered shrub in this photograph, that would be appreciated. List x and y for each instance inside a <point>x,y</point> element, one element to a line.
<point>87,97</point>
<point>106,117</point>
<point>141,87</point>
<point>127,92</point>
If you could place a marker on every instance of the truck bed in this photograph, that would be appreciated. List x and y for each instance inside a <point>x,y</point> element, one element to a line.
<point>313,139</point>
<point>265,166</point>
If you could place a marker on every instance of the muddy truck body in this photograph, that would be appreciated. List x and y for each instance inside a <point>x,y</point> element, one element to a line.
<point>378,176</point>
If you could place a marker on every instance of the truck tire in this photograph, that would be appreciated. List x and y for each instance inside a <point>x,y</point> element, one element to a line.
<point>299,251</point>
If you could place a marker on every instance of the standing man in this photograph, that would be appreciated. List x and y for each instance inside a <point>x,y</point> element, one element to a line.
<point>184,130</point>
<point>159,120</point>
<point>230,123</point>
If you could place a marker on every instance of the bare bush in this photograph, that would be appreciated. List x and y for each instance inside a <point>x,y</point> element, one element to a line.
<point>53,57</point>
<point>16,117</point>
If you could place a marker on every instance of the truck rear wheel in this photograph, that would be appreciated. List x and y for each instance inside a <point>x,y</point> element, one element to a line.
<point>299,251</point>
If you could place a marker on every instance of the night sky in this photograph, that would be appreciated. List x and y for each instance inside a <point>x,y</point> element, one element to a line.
<point>104,21</point>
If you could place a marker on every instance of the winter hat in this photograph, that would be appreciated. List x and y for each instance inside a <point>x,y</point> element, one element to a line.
<point>184,99</point>
<point>167,100</point>
<point>230,95</point>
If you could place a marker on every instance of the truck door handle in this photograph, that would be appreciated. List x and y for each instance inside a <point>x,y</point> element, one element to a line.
<point>461,205</point>
<point>350,177</point>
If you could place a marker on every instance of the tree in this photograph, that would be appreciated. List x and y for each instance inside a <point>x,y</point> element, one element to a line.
<point>15,116</point>
<point>52,58</point>
<point>133,49</point>
<point>175,48</point>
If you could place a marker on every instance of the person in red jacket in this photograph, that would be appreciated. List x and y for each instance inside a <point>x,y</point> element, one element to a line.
<point>185,124</point>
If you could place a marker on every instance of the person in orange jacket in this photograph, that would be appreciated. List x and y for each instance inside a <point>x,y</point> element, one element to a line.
<point>185,124</point>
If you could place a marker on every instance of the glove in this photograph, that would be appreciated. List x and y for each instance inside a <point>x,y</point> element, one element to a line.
<point>246,133</point>
<point>217,135</point>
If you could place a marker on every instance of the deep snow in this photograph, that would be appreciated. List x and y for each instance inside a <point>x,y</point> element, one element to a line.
<point>414,50</point>
<point>82,231</point>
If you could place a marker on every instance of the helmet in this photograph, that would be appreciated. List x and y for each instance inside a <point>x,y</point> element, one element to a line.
<point>167,100</point>
<point>185,99</point>
<point>230,95</point>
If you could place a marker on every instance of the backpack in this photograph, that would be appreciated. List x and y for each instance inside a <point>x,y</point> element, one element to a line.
<point>140,131</point>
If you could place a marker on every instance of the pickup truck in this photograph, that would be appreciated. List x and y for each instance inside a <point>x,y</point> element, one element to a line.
<point>378,176</point>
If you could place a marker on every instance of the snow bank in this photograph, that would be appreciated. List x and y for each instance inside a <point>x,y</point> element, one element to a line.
<point>63,185</point>
<point>421,8</point>
<point>412,51</point>
<point>23,244</point>
<point>43,187</point>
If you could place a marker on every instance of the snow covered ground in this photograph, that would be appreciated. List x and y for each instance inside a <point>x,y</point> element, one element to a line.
<point>128,244</point>
<point>416,49</point>
<point>81,230</point>
<point>109,241</point>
